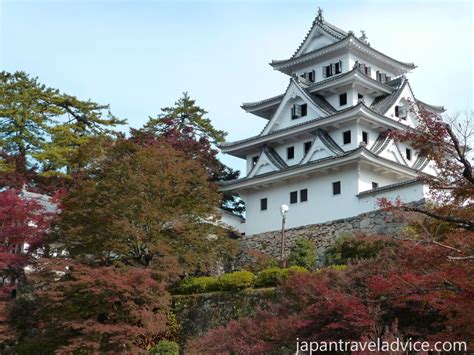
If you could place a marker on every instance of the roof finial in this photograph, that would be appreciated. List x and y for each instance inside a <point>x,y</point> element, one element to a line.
<point>363,36</point>
<point>320,18</point>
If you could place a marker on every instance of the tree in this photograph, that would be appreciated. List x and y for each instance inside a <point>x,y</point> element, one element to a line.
<point>76,308</point>
<point>186,128</point>
<point>303,254</point>
<point>140,205</point>
<point>447,146</point>
<point>42,129</point>
<point>406,291</point>
<point>451,207</point>
<point>23,225</point>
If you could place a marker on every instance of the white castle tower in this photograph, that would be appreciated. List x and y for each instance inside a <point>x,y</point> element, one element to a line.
<point>325,150</point>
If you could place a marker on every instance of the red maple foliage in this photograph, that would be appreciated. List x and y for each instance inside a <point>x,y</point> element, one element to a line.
<point>23,225</point>
<point>92,309</point>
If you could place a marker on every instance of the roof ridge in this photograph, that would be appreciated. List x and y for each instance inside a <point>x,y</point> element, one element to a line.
<point>331,30</point>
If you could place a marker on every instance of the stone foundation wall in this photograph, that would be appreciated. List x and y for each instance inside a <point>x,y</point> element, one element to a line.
<point>323,234</point>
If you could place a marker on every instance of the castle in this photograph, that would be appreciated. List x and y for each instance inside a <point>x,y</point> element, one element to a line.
<point>325,151</point>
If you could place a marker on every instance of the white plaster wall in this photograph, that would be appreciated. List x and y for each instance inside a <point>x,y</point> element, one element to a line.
<point>337,136</point>
<point>284,119</point>
<point>318,41</point>
<point>321,205</point>
<point>367,176</point>
<point>409,193</point>
<point>370,63</point>
<point>299,151</point>
<point>318,67</point>
<point>372,134</point>
<point>232,221</point>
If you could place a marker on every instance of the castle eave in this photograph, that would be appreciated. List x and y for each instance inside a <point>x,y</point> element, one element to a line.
<point>239,148</point>
<point>295,171</point>
<point>350,43</point>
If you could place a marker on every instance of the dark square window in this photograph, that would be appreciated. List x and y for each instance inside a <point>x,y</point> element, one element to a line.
<point>290,152</point>
<point>336,188</point>
<point>263,204</point>
<point>343,99</point>
<point>294,197</point>
<point>397,111</point>
<point>328,70</point>
<point>311,76</point>
<point>365,137</point>
<point>307,147</point>
<point>408,154</point>
<point>346,137</point>
<point>375,185</point>
<point>338,67</point>
<point>304,195</point>
<point>360,96</point>
<point>254,160</point>
<point>304,110</point>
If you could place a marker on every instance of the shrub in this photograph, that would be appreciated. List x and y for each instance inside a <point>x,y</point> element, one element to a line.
<point>198,285</point>
<point>271,277</point>
<point>351,248</point>
<point>236,280</point>
<point>337,267</point>
<point>165,347</point>
<point>303,254</point>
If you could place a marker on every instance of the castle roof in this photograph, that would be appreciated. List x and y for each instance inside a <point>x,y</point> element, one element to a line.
<point>350,41</point>
<point>310,125</point>
<point>265,108</point>
<point>344,158</point>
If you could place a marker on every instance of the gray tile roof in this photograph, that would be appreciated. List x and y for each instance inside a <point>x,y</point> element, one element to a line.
<point>229,144</point>
<point>313,87</point>
<point>275,158</point>
<point>369,49</point>
<point>314,162</point>
<point>388,187</point>
<point>329,142</point>
<point>382,103</point>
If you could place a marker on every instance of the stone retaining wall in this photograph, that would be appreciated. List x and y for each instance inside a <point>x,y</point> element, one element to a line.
<point>322,235</point>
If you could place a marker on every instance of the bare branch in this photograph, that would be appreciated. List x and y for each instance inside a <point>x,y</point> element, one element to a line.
<point>459,222</point>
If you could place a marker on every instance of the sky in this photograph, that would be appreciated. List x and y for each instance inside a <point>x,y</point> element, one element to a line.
<point>140,56</point>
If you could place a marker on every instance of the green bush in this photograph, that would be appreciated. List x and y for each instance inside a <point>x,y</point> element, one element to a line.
<point>271,277</point>
<point>337,267</point>
<point>237,280</point>
<point>351,248</point>
<point>303,254</point>
<point>165,347</point>
<point>198,285</point>
<point>297,269</point>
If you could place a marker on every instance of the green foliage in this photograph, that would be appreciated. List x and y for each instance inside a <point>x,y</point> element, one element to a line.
<point>199,285</point>
<point>238,280</point>
<point>42,125</point>
<point>270,277</point>
<point>187,115</point>
<point>349,248</point>
<point>337,267</point>
<point>303,254</point>
<point>165,347</point>
<point>148,203</point>
<point>235,281</point>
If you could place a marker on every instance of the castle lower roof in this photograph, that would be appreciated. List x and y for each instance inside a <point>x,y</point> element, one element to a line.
<point>291,171</point>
